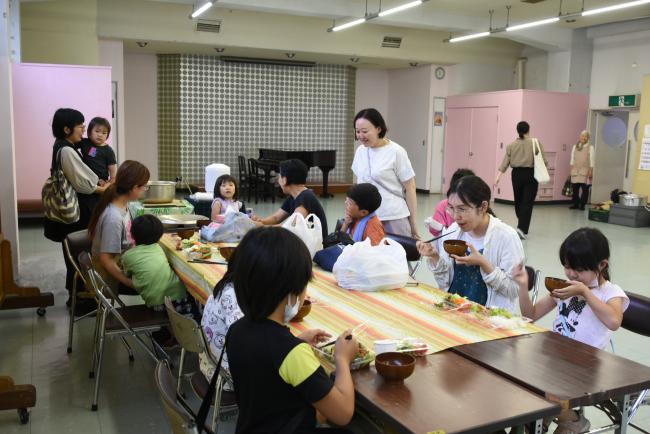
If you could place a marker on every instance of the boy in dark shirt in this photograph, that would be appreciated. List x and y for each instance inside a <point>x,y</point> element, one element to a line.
<point>96,153</point>
<point>293,176</point>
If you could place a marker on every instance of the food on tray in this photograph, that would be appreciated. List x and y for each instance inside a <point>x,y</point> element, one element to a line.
<point>413,346</point>
<point>514,322</point>
<point>454,301</point>
<point>499,311</point>
<point>198,250</point>
<point>363,358</point>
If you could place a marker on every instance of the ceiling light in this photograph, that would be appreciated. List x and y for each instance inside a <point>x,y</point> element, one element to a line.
<point>202,9</point>
<point>354,59</point>
<point>220,49</point>
<point>290,55</point>
<point>615,7</point>
<point>347,25</point>
<point>472,36</point>
<point>413,64</point>
<point>532,24</point>
<point>400,8</point>
<point>142,44</point>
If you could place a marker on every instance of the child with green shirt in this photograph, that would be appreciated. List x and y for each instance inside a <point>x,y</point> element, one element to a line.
<point>146,264</point>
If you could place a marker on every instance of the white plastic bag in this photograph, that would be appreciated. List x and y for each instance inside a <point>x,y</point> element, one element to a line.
<point>233,229</point>
<point>308,229</point>
<point>364,267</point>
<point>540,171</point>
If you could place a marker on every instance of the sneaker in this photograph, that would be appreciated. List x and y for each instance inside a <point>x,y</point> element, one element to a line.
<point>578,426</point>
<point>521,234</point>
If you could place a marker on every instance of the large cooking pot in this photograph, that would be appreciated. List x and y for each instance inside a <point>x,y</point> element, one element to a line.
<point>632,200</point>
<point>160,192</point>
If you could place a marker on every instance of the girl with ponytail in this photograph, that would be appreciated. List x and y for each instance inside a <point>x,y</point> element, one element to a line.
<point>484,275</point>
<point>109,222</point>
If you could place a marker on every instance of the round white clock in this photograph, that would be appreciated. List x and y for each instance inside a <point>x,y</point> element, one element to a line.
<point>440,73</point>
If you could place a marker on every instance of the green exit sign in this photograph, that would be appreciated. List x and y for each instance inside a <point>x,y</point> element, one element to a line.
<point>624,100</point>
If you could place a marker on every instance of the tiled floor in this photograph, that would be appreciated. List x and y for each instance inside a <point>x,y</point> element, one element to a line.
<point>33,349</point>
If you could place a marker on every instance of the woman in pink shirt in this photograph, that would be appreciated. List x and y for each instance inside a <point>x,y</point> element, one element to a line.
<point>441,218</point>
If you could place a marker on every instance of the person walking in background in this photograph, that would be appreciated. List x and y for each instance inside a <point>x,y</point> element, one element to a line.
<point>386,165</point>
<point>520,155</point>
<point>582,166</point>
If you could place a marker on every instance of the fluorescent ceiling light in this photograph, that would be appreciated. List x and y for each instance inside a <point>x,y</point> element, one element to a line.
<point>202,9</point>
<point>472,36</point>
<point>532,24</point>
<point>615,7</point>
<point>348,25</point>
<point>400,8</point>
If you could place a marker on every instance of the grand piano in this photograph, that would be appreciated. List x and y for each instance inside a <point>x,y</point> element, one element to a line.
<point>324,160</point>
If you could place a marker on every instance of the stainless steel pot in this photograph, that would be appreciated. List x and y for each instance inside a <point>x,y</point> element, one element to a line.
<point>633,200</point>
<point>160,192</point>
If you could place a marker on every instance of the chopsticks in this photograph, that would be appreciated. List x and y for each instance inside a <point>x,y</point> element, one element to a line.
<point>441,236</point>
<point>358,328</point>
<point>206,261</point>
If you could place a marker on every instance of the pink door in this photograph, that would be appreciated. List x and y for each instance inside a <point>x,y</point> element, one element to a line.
<point>457,142</point>
<point>483,144</point>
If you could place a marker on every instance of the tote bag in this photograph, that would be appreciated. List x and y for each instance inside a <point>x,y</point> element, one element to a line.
<point>540,170</point>
<point>59,198</point>
<point>308,229</point>
<point>364,267</point>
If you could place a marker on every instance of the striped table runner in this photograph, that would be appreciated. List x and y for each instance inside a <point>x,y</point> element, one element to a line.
<point>394,314</point>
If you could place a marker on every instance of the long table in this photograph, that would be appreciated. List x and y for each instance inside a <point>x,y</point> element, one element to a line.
<point>563,370</point>
<point>446,392</point>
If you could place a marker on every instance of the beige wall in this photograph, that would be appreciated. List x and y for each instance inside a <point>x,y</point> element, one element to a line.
<point>111,53</point>
<point>642,177</point>
<point>62,31</point>
<point>141,110</point>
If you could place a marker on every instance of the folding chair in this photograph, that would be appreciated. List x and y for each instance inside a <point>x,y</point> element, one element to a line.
<point>119,321</point>
<point>190,336</point>
<point>245,183</point>
<point>412,254</point>
<point>73,245</point>
<point>180,419</point>
<point>533,282</point>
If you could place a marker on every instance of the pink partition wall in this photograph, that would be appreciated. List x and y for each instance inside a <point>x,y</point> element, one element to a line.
<point>38,91</point>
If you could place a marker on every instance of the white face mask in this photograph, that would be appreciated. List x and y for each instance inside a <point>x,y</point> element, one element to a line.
<point>289,310</point>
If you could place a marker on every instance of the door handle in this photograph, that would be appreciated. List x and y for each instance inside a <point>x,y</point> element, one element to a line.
<point>627,159</point>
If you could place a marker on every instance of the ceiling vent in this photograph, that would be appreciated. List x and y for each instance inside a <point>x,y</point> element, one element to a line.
<point>391,42</point>
<point>256,60</point>
<point>210,26</point>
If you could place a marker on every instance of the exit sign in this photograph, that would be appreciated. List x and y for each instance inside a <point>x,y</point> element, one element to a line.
<point>624,100</point>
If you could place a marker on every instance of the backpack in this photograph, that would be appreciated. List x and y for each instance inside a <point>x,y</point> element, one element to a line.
<point>59,198</point>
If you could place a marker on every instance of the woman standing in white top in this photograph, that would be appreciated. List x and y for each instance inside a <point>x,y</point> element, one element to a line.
<point>386,165</point>
<point>582,166</point>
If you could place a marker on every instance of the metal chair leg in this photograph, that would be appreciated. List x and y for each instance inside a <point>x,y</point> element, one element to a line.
<point>73,305</point>
<point>180,371</point>
<point>128,348</point>
<point>100,354</point>
<point>100,314</point>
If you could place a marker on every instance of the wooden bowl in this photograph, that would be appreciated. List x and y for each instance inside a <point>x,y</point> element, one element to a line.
<point>185,234</point>
<point>226,252</point>
<point>555,283</point>
<point>303,312</point>
<point>394,366</point>
<point>201,223</point>
<point>455,247</point>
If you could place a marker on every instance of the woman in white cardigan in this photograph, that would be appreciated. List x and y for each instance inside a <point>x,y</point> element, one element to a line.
<point>484,275</point>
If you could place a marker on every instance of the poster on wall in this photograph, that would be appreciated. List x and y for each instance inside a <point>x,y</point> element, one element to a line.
<point>644,158</point>
<point>437,119</point>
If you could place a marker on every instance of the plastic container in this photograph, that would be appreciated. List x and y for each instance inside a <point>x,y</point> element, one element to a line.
<point>212,173</point>
<point>598,215</point>
<point>632,216</point>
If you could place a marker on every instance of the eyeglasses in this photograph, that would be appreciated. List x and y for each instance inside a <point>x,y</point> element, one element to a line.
<point>460,210</point>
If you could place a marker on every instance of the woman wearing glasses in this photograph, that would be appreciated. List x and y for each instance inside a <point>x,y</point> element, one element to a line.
<point>484,275</point>
<point>68,128</point>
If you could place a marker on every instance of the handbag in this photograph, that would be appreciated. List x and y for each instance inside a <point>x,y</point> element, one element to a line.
<point>540,171</point>
<point>59,198</point>
<point>567,190</point>
<point>327,257</point>
<point>308,229</point>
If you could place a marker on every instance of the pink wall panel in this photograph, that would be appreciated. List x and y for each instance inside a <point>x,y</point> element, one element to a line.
<point>457,140</point>
<point>38,91</point>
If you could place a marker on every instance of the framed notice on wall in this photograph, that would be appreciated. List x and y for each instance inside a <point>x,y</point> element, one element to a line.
<point>644,158</point>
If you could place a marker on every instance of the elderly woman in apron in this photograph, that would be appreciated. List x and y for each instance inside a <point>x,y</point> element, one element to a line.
<point>582,166</point>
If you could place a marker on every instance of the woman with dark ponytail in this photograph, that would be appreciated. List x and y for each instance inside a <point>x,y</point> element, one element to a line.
<point>109,223</point>
<point>484,275</point>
